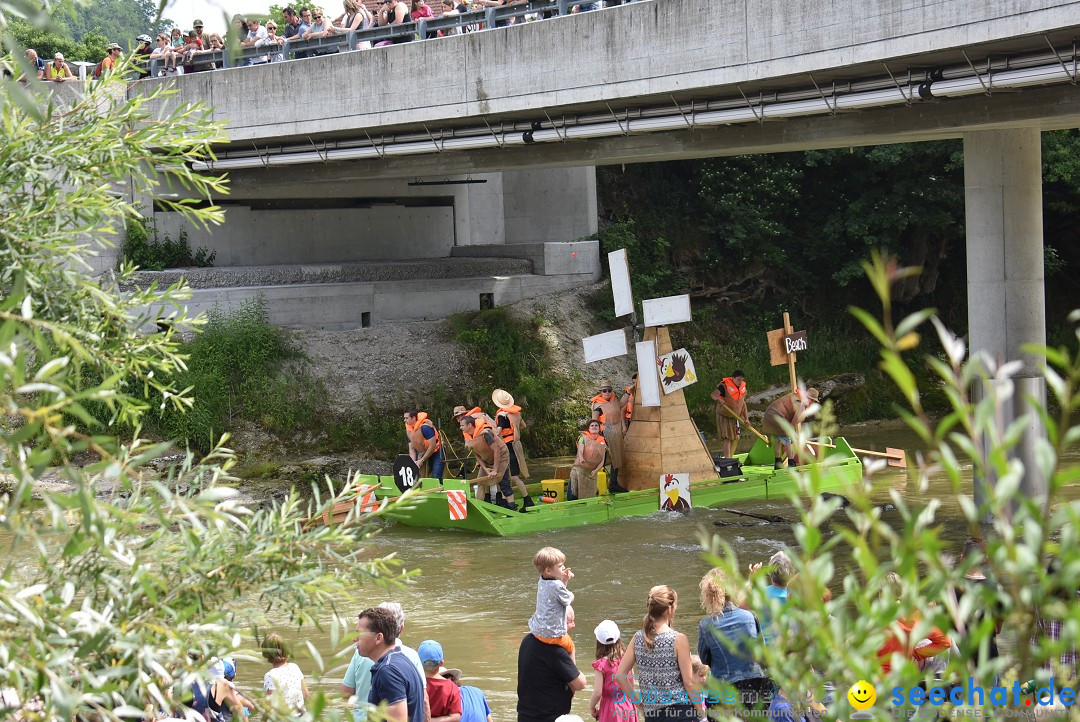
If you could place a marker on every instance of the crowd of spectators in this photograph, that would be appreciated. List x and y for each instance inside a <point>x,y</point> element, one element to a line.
<point>180,52</point>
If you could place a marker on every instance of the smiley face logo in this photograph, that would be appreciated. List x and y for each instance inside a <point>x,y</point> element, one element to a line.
<point>862,695</point>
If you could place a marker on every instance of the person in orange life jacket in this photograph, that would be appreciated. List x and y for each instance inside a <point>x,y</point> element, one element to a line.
<point>424,443</point>
<point>591,451</point>
<point>482,419</point>
<point>730,398</point>
<point>627,401</point>
<point>790,408</point>
<point>492,460</point>
<point>610,413</point>
<point>509,423</point>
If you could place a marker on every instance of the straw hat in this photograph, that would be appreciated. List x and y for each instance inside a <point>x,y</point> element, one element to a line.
<point>606,384</point>
<point>502,398</point>
<point>452,673</point>
<point>460,411</point>
<point>812,394</point>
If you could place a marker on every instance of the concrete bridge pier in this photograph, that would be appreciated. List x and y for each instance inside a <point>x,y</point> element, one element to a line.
<point>1006,297</point>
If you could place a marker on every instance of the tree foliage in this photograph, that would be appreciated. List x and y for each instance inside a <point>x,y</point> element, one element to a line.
<point>907,569</point>
<point>143,572</point>
<point>748,234</point>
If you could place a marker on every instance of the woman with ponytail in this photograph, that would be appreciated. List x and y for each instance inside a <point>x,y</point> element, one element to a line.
<point>661,656</point>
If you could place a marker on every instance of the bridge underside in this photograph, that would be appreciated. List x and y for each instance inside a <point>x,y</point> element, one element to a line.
<point>1049,108</point>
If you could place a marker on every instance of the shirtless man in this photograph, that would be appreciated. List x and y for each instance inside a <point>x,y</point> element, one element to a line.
<point>492,461</point>
<point>789,408</point>
<point>591,451</point>
<point>610,413</point>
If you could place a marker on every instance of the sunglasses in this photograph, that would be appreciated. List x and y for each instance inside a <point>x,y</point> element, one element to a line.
<point>318,17</point>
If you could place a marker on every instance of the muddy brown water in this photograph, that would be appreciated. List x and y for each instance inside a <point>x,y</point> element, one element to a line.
<point>475,593</point>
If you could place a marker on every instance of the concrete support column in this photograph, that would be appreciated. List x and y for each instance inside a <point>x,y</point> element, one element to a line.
<point>1006,297</point>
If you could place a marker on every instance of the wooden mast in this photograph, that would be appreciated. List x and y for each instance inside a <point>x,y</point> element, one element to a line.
<point>663,439</point>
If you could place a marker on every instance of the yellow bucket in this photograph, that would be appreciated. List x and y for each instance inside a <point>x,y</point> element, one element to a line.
<point>553,490</point>
<point>601,482</point>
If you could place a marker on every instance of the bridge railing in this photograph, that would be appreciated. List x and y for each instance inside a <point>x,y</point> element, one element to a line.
<point>490,18</point>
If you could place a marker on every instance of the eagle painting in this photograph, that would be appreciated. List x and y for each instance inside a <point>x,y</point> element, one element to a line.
<point>675,492</point>
<point>676,370</point>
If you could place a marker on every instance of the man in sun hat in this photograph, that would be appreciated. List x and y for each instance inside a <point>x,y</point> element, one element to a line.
<point>112,54</point>
<point>443,694</point>
<point>611,414</point>
<point>198,25</point>
<point>789,409</point>
<point>509,423</point>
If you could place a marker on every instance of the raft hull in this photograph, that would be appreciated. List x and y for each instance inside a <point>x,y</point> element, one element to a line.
<point>428,507</point>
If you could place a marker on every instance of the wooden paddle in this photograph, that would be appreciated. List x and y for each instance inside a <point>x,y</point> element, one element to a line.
<point>745,423</point>
<point>896,457</point>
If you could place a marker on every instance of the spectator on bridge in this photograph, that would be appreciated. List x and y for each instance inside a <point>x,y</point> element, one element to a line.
<point>296,25</point>
<point>420,9</point>
<point>586,7</point>
<point>165,52</point>
<point>58,71</point>
<point>193,44</point>
<point>240,28</point>
<point>204,42</point>
<point>255,33</point>
<point>452,7</point>
<point>321,26</point>
<point>36,63</point>
<point>272,41</point>
<point>355,18</point>
<point>145,47</point>
<point>176,42</point>
<point>394,12</point>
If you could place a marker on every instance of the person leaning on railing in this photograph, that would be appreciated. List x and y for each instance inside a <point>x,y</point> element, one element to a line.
<point>394,12</point>
<point>273,42</point>
<point>58,71</point>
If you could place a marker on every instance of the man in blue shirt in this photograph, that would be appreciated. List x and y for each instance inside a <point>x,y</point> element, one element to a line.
<point>394,680</point>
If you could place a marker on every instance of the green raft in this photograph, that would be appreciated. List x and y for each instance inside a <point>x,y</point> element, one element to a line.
<point>427,505</point>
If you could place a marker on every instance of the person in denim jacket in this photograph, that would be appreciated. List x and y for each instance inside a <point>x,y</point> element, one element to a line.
<point>732,661</point>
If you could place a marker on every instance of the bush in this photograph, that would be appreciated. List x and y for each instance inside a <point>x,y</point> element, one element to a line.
<point>241,366</point>
<point>511,355</point>
<point>142,248</point>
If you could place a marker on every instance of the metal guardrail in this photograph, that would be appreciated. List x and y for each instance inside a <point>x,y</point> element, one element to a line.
<point>487,19</point>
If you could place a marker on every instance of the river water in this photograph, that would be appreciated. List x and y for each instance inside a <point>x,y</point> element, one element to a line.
<point>475,594</point>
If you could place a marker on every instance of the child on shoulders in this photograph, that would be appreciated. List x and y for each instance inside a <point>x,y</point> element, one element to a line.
<point>553,599</point>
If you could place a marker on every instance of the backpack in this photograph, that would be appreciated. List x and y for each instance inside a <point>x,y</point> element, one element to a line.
<point>98,68</point>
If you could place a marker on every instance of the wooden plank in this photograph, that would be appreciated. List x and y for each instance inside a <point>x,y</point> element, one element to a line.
<point>644,429</point>
<point>677,428</point>
<point>675,413</point>
<point>642,445</point>
<point>679,444</point>
<point>645,413</point>
<point>687,461</point>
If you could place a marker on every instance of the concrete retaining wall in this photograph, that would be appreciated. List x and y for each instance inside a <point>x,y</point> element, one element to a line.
<point>342,305</point>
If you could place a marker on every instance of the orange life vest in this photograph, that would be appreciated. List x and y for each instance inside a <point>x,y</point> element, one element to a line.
<point>599,399</point>
<point>734,391</point>
<point>630,403</point>
<point>510,433</point>
<point>423,420</point>
<point>586,439</point>
<point>481,420</point>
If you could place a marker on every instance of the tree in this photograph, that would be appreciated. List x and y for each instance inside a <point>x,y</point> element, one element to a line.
<point>143,572</point>
<point>880,572</point>
<point>90,48</point>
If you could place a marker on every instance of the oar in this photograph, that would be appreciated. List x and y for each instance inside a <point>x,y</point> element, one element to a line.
<point>745,423</point>
<point>896,457</point>
<point>762,517</point>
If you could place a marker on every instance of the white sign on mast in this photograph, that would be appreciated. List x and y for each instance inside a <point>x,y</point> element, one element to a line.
<point>619,267</point>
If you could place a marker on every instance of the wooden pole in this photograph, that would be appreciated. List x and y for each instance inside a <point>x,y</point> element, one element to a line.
<point>788,330</point>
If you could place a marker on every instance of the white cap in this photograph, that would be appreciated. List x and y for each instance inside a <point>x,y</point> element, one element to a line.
<point>607,632</point>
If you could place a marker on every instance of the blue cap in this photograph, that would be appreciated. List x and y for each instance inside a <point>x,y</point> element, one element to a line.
<point>230,668</point>
<point>430,652</point>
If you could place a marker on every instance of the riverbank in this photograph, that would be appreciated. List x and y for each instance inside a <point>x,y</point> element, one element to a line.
<point>358,382</point>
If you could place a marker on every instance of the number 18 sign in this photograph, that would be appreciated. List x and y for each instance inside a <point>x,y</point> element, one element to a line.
<point>406,472</point>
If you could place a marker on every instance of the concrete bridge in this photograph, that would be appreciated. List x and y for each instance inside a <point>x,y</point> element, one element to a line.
<point>534,107</point>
